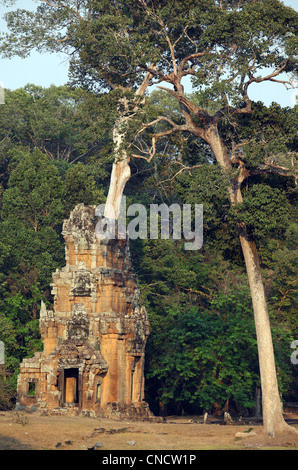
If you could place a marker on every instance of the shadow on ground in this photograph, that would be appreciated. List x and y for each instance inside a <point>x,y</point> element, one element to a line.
<point>9,443</point>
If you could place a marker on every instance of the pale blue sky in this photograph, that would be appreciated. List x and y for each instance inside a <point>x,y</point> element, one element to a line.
<point>47,69</point>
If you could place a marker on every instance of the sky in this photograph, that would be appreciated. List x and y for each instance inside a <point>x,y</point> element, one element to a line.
<point>47,69</point>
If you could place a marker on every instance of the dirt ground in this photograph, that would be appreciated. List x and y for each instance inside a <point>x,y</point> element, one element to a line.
<point>35,431</point>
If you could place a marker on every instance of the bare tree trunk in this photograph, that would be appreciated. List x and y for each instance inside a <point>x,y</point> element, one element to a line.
<point>121,170</point>
<point>120,173</point>
<point>273,420</point>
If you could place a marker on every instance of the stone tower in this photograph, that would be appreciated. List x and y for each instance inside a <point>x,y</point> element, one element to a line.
<point>94,339</point>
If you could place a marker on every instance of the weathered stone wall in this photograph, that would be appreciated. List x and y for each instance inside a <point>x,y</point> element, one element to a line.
<point>94,339</point>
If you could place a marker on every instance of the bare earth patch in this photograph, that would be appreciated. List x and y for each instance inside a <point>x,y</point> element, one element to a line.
<point>34,431</point>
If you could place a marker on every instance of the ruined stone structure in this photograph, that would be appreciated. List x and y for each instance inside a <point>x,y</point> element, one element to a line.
<point>94,339</point>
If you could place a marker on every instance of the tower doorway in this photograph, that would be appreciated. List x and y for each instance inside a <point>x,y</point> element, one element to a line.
<point>71,386</point>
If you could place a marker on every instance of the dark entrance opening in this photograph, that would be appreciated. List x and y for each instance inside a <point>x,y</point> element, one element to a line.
<point>71,386</point>
<point>31,389</point>
<point>133,390</point>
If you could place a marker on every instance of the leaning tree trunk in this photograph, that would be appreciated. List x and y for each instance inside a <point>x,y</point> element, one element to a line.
<point>120,172</point>
<point>273,420</point>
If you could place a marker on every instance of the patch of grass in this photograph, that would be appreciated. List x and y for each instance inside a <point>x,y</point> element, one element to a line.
<point>22,419</point>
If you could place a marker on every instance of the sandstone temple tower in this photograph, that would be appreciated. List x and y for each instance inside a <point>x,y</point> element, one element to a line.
<point>94,339</point>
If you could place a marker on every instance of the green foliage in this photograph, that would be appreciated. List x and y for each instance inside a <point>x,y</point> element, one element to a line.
<point>279,256</point>
<point>265,211</point>
<point>80,185</point>
<point>249,37</point>
<point>34,192</point>
<point>7,389</point>
<point>202,348</point>
<point>208,186</point>
<point>207,356</point>
<point>265,135</point>
<point>62,122</point>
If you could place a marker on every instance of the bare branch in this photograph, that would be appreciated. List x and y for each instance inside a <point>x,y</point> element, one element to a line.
<point>144,85</point>
<point>187,59</point>
<point>270,76</point>
<point>157,18</point>
<point>234,157</point>
<point>174,128</point>
<point>184,168</point>
<point>279,169</point>
<point>191,107</point>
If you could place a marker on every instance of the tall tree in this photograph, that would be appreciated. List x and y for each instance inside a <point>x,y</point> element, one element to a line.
<point>94,35</point>
<point>225,46</point>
